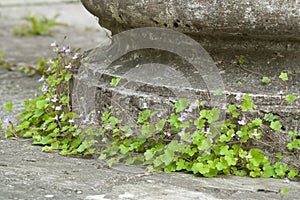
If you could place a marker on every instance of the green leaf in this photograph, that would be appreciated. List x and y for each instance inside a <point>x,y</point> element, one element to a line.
<point>280,169</point>
<point>283,76</point>
<point>265,79</point>
<point>293,173</point>
<point>145,114</point>
<point>279,156</point>
<point>219,92</point>
<point>41,104</point>
<point>257,122</point>
<point>205,144</point>
<point>147,130</point>
<point>8,107</point>
<point>52,126</point>
<point>23,125</point>
<point>181,105</point>
<point>38,113</point>
<point>168,157</point>
<point>114,82</point>
<point>149,154</point>
<point>275,125</point>
<point>160,125</point>
<point>68,77</point>
<point>246,104</point>
<point>269,117</point>
<point>180,165</point>
<point>292,133</point>
<point>290,98</point>
<point>284,191</point>
<point>241,61</point>
<point>124,149</point>
<point>268,171</point>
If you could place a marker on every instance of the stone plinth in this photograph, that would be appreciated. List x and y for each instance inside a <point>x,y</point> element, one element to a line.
<point>272,20</point>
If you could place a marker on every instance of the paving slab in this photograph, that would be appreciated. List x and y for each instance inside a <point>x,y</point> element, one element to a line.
<point>82,31</point>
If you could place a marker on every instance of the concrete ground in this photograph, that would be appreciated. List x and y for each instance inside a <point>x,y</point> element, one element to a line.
<point>28,173</point>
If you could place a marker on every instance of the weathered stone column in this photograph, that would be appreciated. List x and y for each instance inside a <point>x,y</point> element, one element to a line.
<point>273,20</point>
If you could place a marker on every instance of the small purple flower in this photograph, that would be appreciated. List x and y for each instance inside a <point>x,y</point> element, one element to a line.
<point>167,134</point>
<point>182,132</point>
<point>281,92</point>
<point>108,126</point>
<point>49,69</point>
<point>58,107</point>
<point>50,61</point>
<point>45,127</point>
<point>55,99</point>
<point>207,131</point>
<point>7,121</point>
<point>242,122</point>
<point>194,105</point>
<point>76,56</point>
<point>42,79</point>
<point>62,115</point>
<point>183,116</point>
<point>54,44</point>
<point>71,121</point>
<point>45,88</point>
<point>86,120</point>
<point>255,133</point>
<point>249,156</point>
<point>286,180</point>
<point>145,106</point>
<point>68,50</point>
<point>69,66</point>
<point>56,118</point>
<point>239,96</point>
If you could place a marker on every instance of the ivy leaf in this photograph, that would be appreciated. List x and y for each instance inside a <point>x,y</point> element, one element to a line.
<point>290,98</point>
<point>275,125</point>
<point>241,61</point>
<point>181,105</point>
<point>148,154</point>
<point>41,104</point>
<point>144,115</point>
<point>293,173</point>
<point>284,191</point>
<point>68,77</point>
<point>265,79</point>
<point>167,157</point>
<point>247,104</point>
<point>268,171</point>
<point>269,117</point>
<point>8,107</point>
<point>180,165</point>
<point>283,76</point>
<point>292,133</point>
<point>114,82</point>
<point>160,125</point>
<point>219,92</point>
<point>147,130</point>
<point>257,122</point>
<point>279,156</point>
<point>280,169</point>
